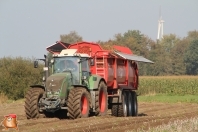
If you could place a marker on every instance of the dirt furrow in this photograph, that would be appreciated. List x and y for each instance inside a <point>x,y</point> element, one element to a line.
<point>150,115</point>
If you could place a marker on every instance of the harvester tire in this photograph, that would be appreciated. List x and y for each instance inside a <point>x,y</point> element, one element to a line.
<point>134,104</point>
<point>81,103</point>
<point>70,103</point>
<point>32,98</point>
<point>121,110</point>
<point>101,103</point>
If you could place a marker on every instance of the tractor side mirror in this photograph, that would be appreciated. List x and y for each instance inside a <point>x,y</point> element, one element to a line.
<point>92,62</point>
<point>35,64</point>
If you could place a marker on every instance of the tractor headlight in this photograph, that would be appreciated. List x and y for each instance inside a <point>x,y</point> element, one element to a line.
<point>43,78</point>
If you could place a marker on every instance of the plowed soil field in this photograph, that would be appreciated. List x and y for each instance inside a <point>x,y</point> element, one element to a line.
<point>150,115</point>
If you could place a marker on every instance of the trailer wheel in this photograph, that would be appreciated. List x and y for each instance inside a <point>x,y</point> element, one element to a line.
<point>32,99</point>
<point>129,99</point>
<point>70,103</point>
<point>134,104</point>
<point>120,110</point>
<point>101,100</point>
<point>81,103</point>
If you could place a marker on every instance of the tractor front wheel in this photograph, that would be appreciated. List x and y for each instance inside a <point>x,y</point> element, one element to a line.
<point>70,103</point>
<point>32,99</point>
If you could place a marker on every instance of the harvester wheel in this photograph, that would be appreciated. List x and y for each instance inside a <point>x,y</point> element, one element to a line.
<point>32,98</point>
<point>120,110</point>
<point>101,103</point>
<point>81,103</point>
<point>134,104</point>
<point>70,103</point>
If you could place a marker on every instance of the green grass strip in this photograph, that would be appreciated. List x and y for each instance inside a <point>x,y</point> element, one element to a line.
<point>169,98</point>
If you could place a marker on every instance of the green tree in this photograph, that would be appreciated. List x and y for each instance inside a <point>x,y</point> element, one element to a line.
<point>160,58</point>
<point>70,38</point>
<point>192,35</point>
<point>17,74</point>
<point>168,42</point>
<point>162,54</point>
<point>191,58</point>
<point>136,34</point>
<point>177,56</point>
<point>146,47</point>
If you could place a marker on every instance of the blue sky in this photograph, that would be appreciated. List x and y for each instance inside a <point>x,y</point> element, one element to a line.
<point>27,27</point>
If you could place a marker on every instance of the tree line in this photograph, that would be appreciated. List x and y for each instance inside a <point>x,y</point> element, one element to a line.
<point>171,55</point>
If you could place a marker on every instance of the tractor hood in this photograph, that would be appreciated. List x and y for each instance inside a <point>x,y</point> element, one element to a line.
<point>58,85</point>
<point>55,83</point>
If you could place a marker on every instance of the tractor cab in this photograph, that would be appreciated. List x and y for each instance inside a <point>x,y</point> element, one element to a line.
<point>70,62</point>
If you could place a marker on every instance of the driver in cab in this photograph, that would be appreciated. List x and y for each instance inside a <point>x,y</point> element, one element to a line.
<point>69,66</point>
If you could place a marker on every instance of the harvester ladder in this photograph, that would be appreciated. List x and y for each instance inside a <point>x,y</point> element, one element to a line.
<point>100,70</point>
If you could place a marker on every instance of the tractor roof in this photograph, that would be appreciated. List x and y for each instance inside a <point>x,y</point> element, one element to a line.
<point>70,52</point>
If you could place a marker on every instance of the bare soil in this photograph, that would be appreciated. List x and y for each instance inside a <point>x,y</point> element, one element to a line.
<point>149,115</point>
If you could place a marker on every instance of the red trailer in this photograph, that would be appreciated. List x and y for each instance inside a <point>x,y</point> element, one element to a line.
<point>118,66</point>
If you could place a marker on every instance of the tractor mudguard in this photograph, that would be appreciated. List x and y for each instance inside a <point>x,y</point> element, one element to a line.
<point>38,86</point>
<point>94,81</point>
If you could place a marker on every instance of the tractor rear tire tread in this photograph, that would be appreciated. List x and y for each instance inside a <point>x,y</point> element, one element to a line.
<point>77,102</point>
<point>102,86</point>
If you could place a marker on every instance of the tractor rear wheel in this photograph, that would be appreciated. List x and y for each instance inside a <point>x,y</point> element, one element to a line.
<point>120,110</point>
<point>32,99</point>
<point>101,103</point>
<point>80,104</point>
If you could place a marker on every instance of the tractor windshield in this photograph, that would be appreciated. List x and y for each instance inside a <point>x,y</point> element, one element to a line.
<point>64,64</point>
<point>71,64</point>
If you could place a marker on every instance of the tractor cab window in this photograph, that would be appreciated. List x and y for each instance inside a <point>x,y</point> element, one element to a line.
<point>85,67</point>
<point>69,65</point>
<point>65,65</point>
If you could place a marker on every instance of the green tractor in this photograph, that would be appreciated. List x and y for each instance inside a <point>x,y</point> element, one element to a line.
<point>70,86</point>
